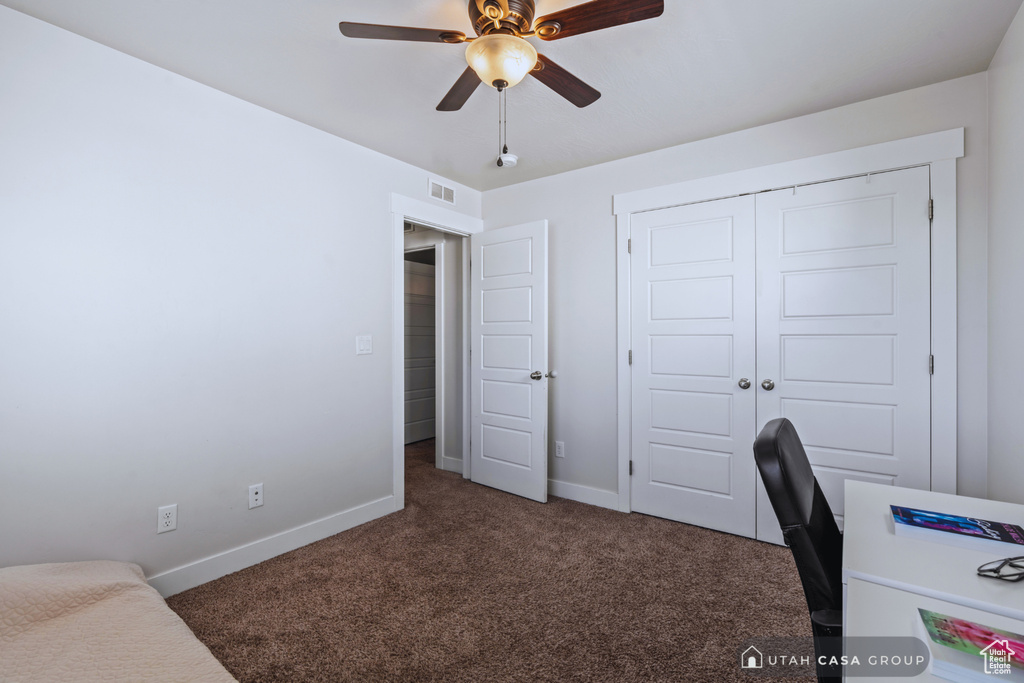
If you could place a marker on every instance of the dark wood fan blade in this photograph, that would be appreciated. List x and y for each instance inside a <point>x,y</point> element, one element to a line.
<point>564,83</point>
<point>460,92</point>
<point>381,32</point>
<point>596,15</point>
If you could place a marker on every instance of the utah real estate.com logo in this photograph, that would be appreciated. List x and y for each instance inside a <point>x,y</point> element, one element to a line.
<point>997,657</point>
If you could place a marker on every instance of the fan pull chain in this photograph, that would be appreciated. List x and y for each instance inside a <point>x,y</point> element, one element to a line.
<point>504,158</point>
<point>502,114</point>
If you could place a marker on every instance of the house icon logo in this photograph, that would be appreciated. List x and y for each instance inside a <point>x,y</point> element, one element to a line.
<point>753,659</point>
<point>997,657</point>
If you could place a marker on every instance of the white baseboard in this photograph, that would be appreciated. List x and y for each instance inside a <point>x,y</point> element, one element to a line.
<point>584,494</point>
<point>191,575</point>
<point>450,464</point>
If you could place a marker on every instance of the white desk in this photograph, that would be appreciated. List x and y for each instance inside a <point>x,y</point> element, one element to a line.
<point>886,578</point>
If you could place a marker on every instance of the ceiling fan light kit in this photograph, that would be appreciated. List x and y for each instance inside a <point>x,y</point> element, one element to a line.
<point>501,60</point>
<point>513,19</point>
<point>500,55</point>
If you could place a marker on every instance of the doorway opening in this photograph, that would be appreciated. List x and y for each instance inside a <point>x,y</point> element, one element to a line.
<point>432,346</point>
<point>420,347</point>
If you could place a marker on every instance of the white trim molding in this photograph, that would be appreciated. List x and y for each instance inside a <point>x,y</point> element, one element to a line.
<point>207,569</point>
<point>944,386</point>
<point>884,156</point>
<point>584,494</point>
<point>433,216</point>
<point>467,408</point>
<point>939,151</point>
<point>622,347</point>
<point>450,464</point>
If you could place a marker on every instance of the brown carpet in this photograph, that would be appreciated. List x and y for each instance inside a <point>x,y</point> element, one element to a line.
<point>471,584</point>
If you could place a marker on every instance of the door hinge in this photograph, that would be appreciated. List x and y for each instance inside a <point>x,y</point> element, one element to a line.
<point>631,356</point>
<point>629,246</point>
<point>931,365</point>
<point>631,468</point>
<point>931,209</point>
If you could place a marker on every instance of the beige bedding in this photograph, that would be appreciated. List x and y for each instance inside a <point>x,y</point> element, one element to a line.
<point>94,621</point>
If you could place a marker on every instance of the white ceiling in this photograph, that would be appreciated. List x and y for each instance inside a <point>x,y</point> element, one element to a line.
<point>704,68</point>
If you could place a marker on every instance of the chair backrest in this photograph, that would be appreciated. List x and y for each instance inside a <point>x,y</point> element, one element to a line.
<point>805,517</point>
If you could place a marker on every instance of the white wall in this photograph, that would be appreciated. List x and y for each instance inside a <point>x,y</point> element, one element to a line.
<point>1006,275</point>
<point>182,277</point>
<point>578,205</point>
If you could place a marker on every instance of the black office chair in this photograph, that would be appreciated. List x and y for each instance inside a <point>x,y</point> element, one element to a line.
<point>810,531</point>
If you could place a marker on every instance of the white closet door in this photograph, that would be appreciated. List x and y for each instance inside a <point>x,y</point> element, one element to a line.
<point>843,329</point>
<point>692,291</point>
<point>509,355</point>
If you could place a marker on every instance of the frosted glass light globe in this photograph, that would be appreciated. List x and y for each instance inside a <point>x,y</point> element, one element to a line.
<point>501,57</point>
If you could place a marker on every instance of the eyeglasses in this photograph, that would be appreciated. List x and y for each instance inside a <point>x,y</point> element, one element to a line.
<point>1010,569</point>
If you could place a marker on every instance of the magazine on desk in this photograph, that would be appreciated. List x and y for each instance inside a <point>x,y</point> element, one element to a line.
<point>967,532</point>
<point>962,650</point>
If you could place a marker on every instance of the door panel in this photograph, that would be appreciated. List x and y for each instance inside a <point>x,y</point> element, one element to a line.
<point>509,341</point>
<point>844,330</point>
<point>692,271</point>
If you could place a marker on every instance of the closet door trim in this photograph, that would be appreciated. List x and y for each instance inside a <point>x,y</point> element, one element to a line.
<point>939,151</point>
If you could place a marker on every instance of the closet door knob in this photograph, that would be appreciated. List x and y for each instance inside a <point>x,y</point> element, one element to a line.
<point>744,383</point>
<point>768,385</point>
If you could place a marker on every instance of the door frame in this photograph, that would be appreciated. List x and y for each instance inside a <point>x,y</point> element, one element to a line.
<point>407,209</point>
<point>939,151</point>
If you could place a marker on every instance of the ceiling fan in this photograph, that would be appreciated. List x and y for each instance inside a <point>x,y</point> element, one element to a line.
<point>500,55</point>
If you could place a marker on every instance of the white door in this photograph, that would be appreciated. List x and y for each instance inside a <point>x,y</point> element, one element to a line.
<point>843,329</point>
<point>692,289</point>
<point>420,355</point>
<point>509,358</point>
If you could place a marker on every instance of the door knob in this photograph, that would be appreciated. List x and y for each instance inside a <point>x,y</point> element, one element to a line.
<point>768,385</point>
<point>537,375</point>
<point>744,383</point>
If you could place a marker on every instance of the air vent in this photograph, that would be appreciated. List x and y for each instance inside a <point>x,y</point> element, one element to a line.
<point>439,191</point>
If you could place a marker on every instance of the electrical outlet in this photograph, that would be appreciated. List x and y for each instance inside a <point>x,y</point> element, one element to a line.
<point>255,496</point>
<point>559,449</point>
<point>167,518</point>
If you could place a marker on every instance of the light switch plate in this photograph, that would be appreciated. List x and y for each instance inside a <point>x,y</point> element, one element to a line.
<point>364,345</point>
